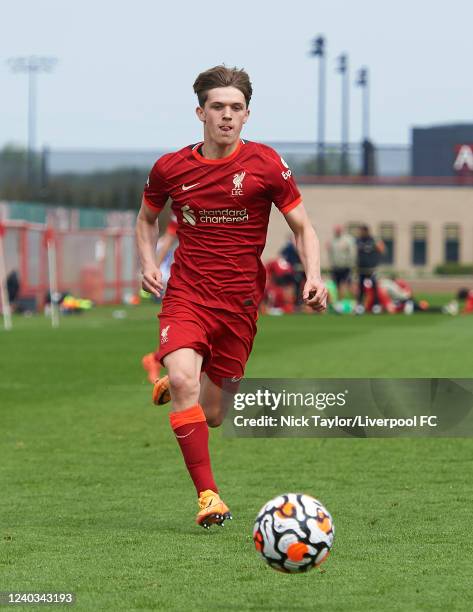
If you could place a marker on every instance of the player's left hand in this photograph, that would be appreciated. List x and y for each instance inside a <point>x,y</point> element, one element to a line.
<point>315,294</point>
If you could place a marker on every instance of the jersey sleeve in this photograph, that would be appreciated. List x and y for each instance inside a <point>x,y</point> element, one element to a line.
<point>281,185</point>
<point>156,193</point>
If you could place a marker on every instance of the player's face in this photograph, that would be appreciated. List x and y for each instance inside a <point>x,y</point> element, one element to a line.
<point>223,115</point>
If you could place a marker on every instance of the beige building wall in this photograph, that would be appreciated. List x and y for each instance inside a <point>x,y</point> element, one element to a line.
<point>402,206</point>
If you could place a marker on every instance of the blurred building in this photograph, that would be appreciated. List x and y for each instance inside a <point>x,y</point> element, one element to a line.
<point>422,227</point>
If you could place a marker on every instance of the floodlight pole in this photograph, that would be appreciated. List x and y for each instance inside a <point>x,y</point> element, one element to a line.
<point>318,50</point>
<point>31,118</point>
<point>31,65</point>
<point>363,82</point>
<point>342,68</point>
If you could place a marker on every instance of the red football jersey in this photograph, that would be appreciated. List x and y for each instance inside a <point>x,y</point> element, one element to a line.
<point>222,207</point>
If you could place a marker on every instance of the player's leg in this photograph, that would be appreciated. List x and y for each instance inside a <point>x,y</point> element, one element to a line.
<point>183,347</point>
<point>215,401</point>
<point>375,287</point>
<point>361,287</point>
<point>344,283</point>
<point>189,424</point>
<point>184,366</point>
<point>231,347</point>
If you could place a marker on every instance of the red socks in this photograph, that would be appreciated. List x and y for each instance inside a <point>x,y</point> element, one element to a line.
<point>192,434</point>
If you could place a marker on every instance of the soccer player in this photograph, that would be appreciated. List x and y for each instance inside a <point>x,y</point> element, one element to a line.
<point>222,190</point>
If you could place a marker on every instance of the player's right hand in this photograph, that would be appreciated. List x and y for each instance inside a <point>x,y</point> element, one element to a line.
<point>152,281</point>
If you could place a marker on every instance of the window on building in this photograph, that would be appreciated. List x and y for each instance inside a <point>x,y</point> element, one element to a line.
<point>386,233</point>
<point>419,244</point>
<point>452,243</point>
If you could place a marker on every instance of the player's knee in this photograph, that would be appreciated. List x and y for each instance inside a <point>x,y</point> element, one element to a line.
<point>215,420</point>
<point>214,414</point>
<point>182,382</point>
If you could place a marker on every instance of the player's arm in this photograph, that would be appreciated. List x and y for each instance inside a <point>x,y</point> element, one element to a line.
<point>307,243</point>
<point>146,238</point>
<point>380,247</point>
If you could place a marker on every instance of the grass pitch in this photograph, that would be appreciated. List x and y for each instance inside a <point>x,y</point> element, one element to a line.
<point>95,498</point>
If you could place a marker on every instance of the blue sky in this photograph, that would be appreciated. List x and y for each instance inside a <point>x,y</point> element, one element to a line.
<point>125,69</point>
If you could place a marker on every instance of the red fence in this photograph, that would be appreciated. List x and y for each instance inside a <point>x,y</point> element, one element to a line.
<point>99,264</point>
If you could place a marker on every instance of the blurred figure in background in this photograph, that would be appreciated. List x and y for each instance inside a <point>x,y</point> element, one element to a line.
<point>165,248</point>
<point>290,254</point>
<point>342,253</point>
<point>369,251</point>
<point>465,297</point>
<point>13,287</point>
<point>280,295</point>
<point>164,257</point>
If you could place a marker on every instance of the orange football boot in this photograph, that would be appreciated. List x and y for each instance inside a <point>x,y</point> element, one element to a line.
<point>213,511</point>
<point>161,392</point>
<point>153,368</point>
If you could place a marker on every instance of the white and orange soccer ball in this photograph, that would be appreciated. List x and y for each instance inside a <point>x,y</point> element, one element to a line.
<point>293,533</point>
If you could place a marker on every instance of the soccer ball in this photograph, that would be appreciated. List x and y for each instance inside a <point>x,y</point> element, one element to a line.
<point>293,533</point>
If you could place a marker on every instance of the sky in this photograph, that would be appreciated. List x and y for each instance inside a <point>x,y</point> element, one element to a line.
<point>125,69</point>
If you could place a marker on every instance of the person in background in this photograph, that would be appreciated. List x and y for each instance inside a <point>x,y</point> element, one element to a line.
<point>465,297</point>
<point>280,294</point>
<point>342,253</point>
<point>290,254</point>
<point>164,257</point>
<point>165,248</point>
<point>13,287</point>
<point>369,251</point>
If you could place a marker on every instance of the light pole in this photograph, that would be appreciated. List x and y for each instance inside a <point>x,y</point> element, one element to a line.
<point>342,68</point>
<point>318,50</point>
<point>32,66</point>
<point>363,82</point>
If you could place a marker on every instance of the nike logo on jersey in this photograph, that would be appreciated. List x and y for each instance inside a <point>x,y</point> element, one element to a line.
<point>186,187</point>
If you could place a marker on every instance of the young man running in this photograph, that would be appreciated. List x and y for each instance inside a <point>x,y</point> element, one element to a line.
<point>222,190</point>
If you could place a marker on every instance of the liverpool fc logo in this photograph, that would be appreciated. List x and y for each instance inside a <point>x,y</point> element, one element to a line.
<point>238,184</point>
<point>164,334</point>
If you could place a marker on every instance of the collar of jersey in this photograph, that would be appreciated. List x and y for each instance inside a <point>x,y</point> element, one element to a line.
<point>221,160</point>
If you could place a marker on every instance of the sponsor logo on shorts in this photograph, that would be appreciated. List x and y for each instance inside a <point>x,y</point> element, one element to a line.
<point>164,334</point>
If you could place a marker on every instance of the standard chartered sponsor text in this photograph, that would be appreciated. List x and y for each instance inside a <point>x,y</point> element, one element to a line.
<point>225,215</point>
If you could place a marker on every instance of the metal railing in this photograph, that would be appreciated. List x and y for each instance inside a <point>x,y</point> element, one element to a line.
<point>115,179</point>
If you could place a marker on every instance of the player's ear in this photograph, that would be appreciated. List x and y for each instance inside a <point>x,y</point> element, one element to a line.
<point>247,115</point>
<point>199,111</point>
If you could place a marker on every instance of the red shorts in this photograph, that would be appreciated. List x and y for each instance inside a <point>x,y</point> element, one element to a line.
<point>223,338</point>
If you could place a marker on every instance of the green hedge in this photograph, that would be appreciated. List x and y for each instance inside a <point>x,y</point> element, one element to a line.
<point>454,269</point>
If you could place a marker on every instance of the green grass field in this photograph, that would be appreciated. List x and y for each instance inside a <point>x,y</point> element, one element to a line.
<point>95,498</point>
